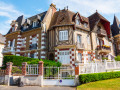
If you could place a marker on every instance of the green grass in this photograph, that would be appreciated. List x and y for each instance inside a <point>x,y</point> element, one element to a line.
<point>111,84</point>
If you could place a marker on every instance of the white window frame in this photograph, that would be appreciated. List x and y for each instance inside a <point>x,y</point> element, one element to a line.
<point>63,35</point>
<point>13,29</point>
<point>34,23</point>
<point>89,58</point>
<point>88,39</point>
<point>79,38</point>
<point>85,25</point>
<point>77,20</point>
<point>34,40</point>
<point>80,57</point>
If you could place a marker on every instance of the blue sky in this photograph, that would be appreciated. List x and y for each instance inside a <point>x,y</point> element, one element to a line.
<point>11,9</point>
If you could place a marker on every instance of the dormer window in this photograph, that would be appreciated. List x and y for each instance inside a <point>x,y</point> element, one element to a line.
<point>85,25</point>
<point>25,27</point>
<point>35,24</point>
<point>77,20</point>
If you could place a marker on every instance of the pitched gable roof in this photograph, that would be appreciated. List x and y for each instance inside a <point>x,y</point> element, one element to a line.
<point>94,19</point>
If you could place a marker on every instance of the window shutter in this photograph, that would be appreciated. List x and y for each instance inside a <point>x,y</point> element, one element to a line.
<point>8,43</point>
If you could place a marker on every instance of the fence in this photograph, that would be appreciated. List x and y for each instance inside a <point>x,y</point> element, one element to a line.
<point>32,69</point>
<point>58,73</point>
<point>99,67</point>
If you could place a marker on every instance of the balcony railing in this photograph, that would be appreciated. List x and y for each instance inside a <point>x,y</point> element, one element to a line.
<point>104,48</point>
<point>33,46</point>
<point>8,49</point>
<point>80,45</point>
<point>101,32</point>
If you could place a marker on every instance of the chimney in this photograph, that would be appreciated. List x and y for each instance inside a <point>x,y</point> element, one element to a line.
<point>53,7</point>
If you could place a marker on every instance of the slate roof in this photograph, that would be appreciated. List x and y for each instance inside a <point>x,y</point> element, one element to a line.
<point>21,21</point>
<point>94,19</point>
<point>2,39</point>
<point>115,26</point>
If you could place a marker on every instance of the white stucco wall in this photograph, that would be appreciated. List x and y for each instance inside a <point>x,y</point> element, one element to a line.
<point>1,55</point>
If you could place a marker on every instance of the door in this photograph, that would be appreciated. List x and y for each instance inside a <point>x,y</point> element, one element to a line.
<point>64,57</point>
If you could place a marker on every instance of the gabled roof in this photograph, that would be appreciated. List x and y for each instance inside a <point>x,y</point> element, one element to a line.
<point>65,17</point>
<point>2,39</point>
<point>95,18</point>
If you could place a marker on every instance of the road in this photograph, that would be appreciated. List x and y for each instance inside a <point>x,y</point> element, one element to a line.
<point>3,87</point>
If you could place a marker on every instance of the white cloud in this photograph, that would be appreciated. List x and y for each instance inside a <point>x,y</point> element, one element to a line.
<point>8,13</point>
<point>40,10</point>
<point>87,7</point>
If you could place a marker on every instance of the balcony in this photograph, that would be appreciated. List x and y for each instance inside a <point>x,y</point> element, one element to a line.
<point>9,50</point>
<point>101,33</point>
<point>80,46</point>
<point>104,49</point>
<point>33,46</point>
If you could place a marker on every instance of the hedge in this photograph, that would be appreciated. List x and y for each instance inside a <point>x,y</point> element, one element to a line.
<point>18,60</point>
<point>117,58</point>
<point>86,78</point>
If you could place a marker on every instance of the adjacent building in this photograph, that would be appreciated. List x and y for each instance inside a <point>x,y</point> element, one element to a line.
<point>2,43</point>
<point>62,35</point>
<point>115,28</point>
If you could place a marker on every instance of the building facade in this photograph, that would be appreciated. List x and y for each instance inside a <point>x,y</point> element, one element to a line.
<point>62,35</point>
<point>2,43</point>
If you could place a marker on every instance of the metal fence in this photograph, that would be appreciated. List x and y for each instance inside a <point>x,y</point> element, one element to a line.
<point>2,72</point>
<point>32,69</point>
<point>96,67</point>
<point>58,73</point>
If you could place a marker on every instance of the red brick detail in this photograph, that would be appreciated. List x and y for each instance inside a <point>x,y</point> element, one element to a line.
<point>56,60</point>
<point>43,45</point>
<point>55,50</point>
<point>64,49</point>
<point>89,53</point>
<point>58,57</point>
<point>43,54</point>
<point>77,70</point>
<point>33,35</point>
<point>80,51</point>
<point>72,54</point>
<point>9,68</point>
<point>24,64</point>
<point>82,58</point>
<point>70,62</point>
<point>72,59</point>
<point>58,52</point>
<point>72,49</point>
<point>40,65</point>
<point>73,64</point>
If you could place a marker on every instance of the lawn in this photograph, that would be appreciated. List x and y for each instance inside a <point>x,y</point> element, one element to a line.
<point>111,84</point>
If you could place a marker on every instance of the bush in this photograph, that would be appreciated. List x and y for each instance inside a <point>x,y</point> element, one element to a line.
<point>117,58</point>
<point>16,70</point>
<point>86,78</point>
<point>18,60</point>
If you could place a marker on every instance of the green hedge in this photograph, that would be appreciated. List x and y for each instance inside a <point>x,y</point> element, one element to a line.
<point>117,58</point>
<point>18,60</point>
<point>86,78</point>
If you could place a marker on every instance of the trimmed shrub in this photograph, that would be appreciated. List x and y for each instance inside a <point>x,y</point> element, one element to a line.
<point>117,58</point>
<point>18,60</point>
<point>86,78</point>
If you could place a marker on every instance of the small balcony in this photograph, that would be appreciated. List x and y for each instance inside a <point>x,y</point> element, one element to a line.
<point>80,46</point>
<point>101,33</point>
<point>104,49</point>
<point>33,46</point>
<point>8,50</point>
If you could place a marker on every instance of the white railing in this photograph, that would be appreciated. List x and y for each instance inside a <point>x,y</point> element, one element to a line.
<point>8,49</point>
<point>32,69</point>
<point>96,67</point>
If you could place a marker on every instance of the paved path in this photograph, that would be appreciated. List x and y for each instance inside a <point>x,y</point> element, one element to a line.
<point>36,88</point>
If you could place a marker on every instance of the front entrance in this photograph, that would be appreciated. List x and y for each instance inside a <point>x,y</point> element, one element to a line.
<point>59,76</point>
<point>64,57</point>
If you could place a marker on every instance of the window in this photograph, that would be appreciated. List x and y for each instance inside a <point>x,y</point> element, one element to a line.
<point>32,55</point>
<point>34,40</point>
<point>35,24</point>
<point>85,25</point>
<point>25,27</point>
<point>77,20</point>
<point>80,57</point>
<point>64,57</point>
<point>63,35</point>
<point>97,40</point>
<point>88,39</point>
<point>23,42</point>
<point>89,58</point>
<point>79,40</point>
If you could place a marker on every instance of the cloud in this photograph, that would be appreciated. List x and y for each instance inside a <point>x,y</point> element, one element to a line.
<point>40,10</point>
<point>8,12</point>
<point>87,7</point>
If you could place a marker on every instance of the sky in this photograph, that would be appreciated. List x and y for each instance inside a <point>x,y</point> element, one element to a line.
<point>11,9</point>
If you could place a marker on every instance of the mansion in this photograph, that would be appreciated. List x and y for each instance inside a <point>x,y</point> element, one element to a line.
<point>61,35</point>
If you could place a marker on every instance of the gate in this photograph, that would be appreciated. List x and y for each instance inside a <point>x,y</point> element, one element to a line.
<point>58,76</point>
<point>2,76</point>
